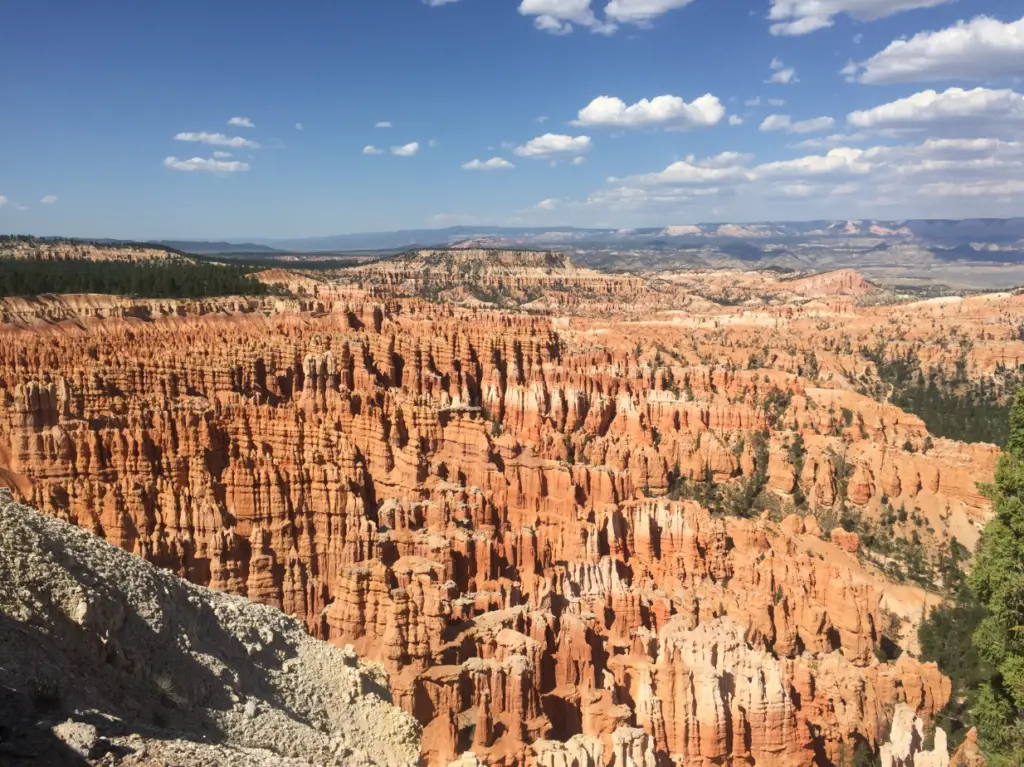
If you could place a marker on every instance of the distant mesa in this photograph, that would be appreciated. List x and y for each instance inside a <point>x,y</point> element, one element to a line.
<point>204,248</point>
<point>845,282</point>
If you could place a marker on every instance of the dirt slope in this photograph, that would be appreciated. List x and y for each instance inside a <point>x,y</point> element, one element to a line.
<point>105,659</point>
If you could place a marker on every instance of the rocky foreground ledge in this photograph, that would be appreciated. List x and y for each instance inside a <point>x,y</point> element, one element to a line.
<point>105,659</point>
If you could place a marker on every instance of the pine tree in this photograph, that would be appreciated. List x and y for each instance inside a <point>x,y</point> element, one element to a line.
<point>998,582</point>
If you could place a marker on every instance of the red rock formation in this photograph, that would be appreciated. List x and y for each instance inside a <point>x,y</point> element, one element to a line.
<point>463,495</point>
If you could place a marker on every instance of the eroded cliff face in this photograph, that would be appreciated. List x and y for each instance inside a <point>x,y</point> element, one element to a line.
<point>58,250</point>
<point>483,501</point>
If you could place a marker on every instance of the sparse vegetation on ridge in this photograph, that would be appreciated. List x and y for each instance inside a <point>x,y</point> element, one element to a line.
<point>952,406</point>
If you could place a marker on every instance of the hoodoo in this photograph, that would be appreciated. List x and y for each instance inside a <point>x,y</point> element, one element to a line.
<point>586,538</point>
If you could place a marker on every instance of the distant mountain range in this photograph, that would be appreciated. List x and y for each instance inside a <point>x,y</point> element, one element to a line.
<point>204,248</point>
<point>937,232</point>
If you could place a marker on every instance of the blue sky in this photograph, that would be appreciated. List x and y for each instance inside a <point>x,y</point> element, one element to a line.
<point>114,111</point>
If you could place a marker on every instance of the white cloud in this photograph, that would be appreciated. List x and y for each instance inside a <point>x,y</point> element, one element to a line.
<point>406,150</point>
<point>670,112</point>
<point>754,102</point>
<point>541,119</point>
<point>3,200</point>
<point>370,150</point>
<point>1009,188</point>
<point>221,155</point>
<point>735,120</point>
<point>383,124</point>
<point>581,160</point>
<point>438,3</point>
<point>829,142</point>
<point>975,111</point>
<point>495,163</point>
<point>204,165</point>
<point>299,126</point>
<point>724,168</point>
<point>723,160</point>
<point>641,11</point>
<point>782,74</point>
<point>799,17</point>
<point>785,123</point>
<point>557,17</point>
<point>775,122</point>
<point>842,160</point>
<point>552,26</point>
<point>553,145</point>
<point>49,199</point>
<point>797,190</point>
<point>217,139</point>
<point>241,122</point>
<point>981,49</point>
<point>784,77</point>
<point>938,177</point>
<point>777,102</point>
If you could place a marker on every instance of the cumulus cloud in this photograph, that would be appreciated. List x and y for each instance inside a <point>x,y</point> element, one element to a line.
<point>842,160</point>
<point>800,17</point>
<point>946,177</point>
<point>495,163</point>
<point>548,204</point>
<point>975,110</point>
<point>785,123</point>
<point>383,124</point>
<point>406,150</point>
<point>217,139</point>
<point>201,164</point>
<point>241,122</point>
<point>371,150</point>
<point>554,145</point>
<point>558,17</point>
<point>670,112</point>
<point>980,49</point>
<point>782,74</point>
<point>221,155</point>
<point>641,11</point>
<point>725,168</point>
<point>49,199</point>
<point>735,120</point>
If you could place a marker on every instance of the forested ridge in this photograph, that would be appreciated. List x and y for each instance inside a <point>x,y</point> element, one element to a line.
<point>171,279</point>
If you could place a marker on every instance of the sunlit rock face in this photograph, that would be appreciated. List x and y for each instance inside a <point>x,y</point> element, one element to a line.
<point>487,501</point>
